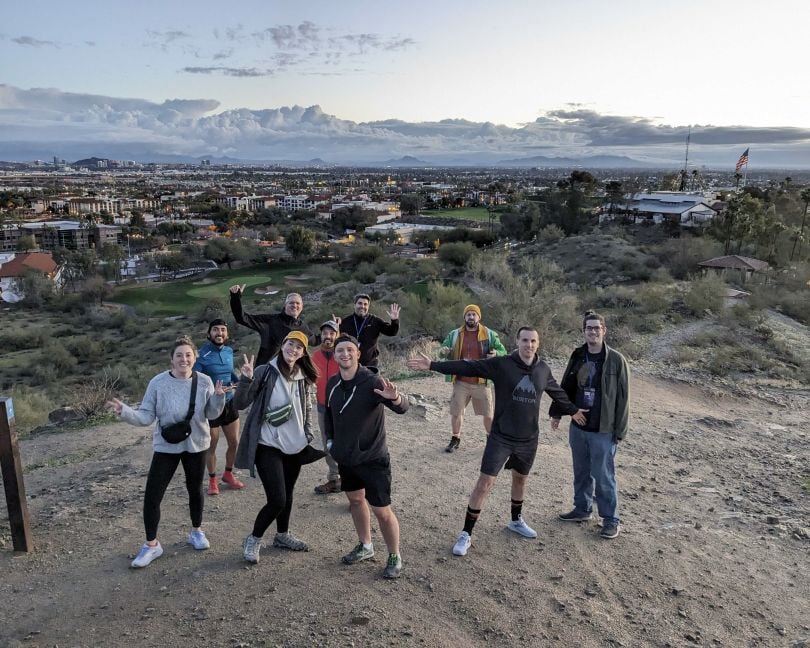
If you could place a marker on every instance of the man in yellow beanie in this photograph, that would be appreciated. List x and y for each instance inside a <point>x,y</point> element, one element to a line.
<point>473,341</point>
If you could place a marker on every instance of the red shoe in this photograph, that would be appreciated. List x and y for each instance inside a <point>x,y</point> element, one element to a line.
<point>229,478</point>
<point>213,486</point>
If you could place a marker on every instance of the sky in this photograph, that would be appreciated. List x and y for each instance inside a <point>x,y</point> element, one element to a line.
<point>470,79</point>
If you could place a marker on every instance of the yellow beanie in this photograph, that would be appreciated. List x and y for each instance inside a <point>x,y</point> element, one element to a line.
<point>298,336</point>
<point>474,309</point>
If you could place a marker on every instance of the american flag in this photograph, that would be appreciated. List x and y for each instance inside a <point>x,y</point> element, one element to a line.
<point>742,161</point>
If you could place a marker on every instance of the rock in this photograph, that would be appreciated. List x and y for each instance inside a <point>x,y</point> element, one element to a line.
<point>65,415</point>
<point>772,519</point>
<point>361,619</point>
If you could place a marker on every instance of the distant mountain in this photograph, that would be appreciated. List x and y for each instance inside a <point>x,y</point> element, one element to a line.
<point>404,161</point>
<point>593,162</point>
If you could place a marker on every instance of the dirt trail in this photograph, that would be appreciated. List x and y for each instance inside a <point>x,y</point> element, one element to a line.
<point>713,552</point>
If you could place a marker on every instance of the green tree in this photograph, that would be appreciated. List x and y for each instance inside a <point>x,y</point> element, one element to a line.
<point>26,243</point>
<point>300,242</point>
<point>35,287</point>
<point>222,250</point>
<point>410,204</point>
<point>457,255</point>
<point>805,196</point>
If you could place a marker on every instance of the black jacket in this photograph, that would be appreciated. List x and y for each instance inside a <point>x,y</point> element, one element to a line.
<point>367,330</point>
<point>271,327</point>
<point>355,419</point>
<point>518,388</point>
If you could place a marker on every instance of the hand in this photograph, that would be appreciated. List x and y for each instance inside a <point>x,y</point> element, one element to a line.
<point>579,418</point>
<point>336,320</point>
<point>115,405</point>
<point>555,424</point>
<point>237,289</point>
<point>389,390</point>
<point>420,363</point>
<point>219,388</point>
<point>491,354</point>
<point>393,311</point>
<point>247,367</point>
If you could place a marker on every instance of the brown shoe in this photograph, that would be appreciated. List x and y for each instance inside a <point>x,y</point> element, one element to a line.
<point>332,486</point>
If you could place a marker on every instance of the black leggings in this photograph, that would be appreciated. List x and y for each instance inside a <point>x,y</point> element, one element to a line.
<point>161,472</point>
<point>278,472</point>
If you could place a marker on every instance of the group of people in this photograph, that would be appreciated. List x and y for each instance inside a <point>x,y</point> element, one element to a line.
<point>201,393</point>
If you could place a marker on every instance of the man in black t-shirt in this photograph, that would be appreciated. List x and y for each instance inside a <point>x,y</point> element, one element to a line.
<point>367,328</point>
<point>597,380</point>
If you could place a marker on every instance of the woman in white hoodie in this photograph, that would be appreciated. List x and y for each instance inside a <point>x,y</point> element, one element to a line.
<point>167,399</point>
<point>275,441</point>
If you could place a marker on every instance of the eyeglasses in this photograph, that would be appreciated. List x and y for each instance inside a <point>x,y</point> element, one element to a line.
<point>595,329</point>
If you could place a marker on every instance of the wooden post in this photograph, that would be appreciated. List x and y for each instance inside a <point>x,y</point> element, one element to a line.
<point>13,478</point>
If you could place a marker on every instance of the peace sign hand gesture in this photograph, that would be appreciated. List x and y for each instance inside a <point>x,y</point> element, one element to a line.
<point>247,367</point>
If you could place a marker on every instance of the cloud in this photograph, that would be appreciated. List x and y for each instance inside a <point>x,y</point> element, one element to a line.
<point>164,39</point>
<point>227,71</point>
<point>33,42</point>
<point>38,120</point>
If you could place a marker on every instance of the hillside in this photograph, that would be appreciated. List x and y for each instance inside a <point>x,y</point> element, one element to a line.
<point>716,531</point>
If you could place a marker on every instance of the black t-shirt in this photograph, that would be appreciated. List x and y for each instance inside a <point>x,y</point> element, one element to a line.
<point>589,388</point>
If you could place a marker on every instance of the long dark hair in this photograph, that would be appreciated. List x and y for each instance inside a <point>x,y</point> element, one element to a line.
<point>304,363</point>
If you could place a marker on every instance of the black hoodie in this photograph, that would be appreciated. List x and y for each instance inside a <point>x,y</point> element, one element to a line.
<point>518,388</point>
<point>355,419</point>
<point>272,328</point>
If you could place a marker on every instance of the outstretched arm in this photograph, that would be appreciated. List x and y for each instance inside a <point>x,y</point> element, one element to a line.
<point>472,368</point>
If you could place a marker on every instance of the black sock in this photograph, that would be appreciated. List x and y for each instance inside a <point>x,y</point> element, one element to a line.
<point>517,509</point>
<point>212,475</point>
<point>470,519</point>
<point>228,469</point>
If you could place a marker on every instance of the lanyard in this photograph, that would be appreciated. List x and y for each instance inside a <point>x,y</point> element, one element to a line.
<point>360,328</point>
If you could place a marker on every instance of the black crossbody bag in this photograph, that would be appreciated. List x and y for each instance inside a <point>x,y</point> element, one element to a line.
<point>180,431</point>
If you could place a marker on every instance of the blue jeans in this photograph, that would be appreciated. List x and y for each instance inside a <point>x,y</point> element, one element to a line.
<point>594,473</point>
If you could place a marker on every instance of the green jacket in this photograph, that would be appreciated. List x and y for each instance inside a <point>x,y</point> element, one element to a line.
<point>487,338</point>
<point>614,414</point>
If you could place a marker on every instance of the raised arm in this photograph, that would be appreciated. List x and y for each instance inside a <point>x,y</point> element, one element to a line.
<point>243,318</point>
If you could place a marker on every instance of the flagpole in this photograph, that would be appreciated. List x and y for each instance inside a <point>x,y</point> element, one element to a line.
<point>745,173</point>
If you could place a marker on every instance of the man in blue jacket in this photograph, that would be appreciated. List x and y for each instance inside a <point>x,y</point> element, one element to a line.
<point>596,379</point>
<point>215,360</point>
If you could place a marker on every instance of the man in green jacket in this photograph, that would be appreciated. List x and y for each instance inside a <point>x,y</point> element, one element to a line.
<point>596,379</point>
<point>473,341</point>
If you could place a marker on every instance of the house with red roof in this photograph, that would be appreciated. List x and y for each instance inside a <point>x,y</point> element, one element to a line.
<point>14,266</point>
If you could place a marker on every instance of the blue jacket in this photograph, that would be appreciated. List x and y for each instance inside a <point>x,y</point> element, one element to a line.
<point>217,363</point>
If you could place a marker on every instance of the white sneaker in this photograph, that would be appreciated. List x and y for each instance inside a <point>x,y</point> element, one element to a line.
<point>251,547</point>
<point>462,544</point>
<point>146,555</point>
<point>198,540</point>
<point>521,528</point>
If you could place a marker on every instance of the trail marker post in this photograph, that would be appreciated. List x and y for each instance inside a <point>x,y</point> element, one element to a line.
<point>13,478</point>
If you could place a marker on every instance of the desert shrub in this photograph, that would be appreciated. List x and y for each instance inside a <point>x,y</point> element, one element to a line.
<point>550,234</point>
<point>53,361</point>
<point>131,379</point>
<point>437,312</point>
<point>101,318</point>
<point>213,308</point>
<point>366,254</point>
<point>365,273</point>
<point>85,348</point>
<point>682,255</point>
<point>394,353</point>
<point>90,397</point>
<point>457,255</point>
<point>427,269</point>
<point>705,293</point>
<point>31,407</point>
<point>12,340</point>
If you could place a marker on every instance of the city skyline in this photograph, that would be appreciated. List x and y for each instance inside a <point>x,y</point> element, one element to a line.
<point>447,83</point>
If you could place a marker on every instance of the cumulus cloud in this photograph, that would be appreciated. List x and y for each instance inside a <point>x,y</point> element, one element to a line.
<point>50,118</point>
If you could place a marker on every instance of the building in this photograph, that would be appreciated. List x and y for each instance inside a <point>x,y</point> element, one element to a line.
<point>731,265</point>
<point>687,209</point>
<point>14,266</point>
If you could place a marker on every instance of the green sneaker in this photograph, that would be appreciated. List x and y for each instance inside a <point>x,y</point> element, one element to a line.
<point>358,554</point>
<point>394,566</point>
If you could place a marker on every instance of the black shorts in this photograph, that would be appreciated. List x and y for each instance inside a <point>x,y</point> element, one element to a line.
<point>229,415</point>
<point>519,457</point>
<point>374,476</point>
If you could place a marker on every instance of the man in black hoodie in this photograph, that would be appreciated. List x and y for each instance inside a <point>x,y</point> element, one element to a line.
<point>355,432</point>
<point>271,327</point>
<point>520,380</point>
<point>367,328</point>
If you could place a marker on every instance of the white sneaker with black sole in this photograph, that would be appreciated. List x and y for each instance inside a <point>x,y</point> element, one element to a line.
<point>462,544</point>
